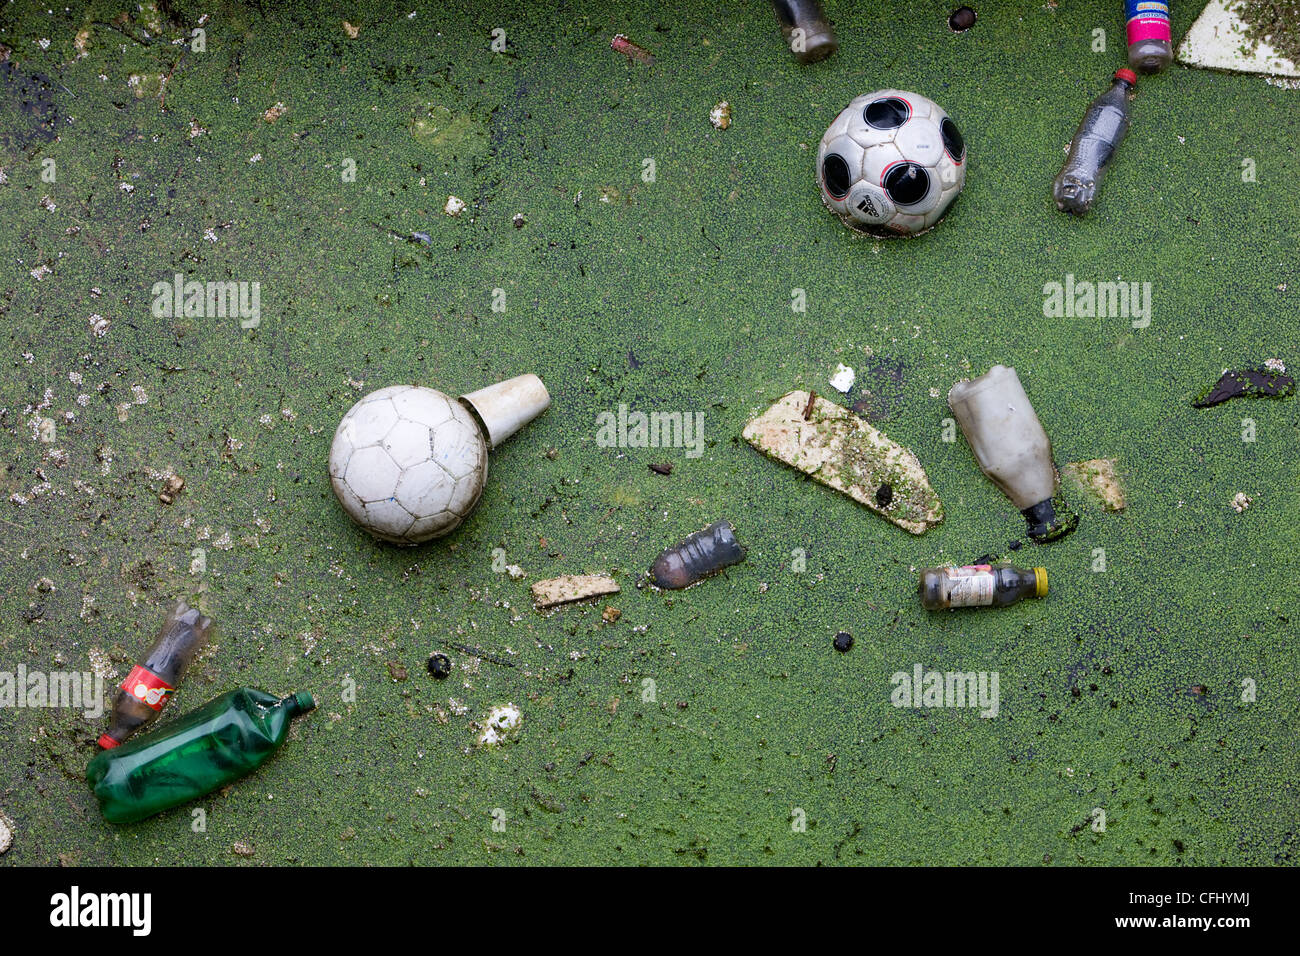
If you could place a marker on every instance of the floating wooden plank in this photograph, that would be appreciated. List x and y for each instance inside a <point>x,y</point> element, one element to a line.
<point>571,587</point>
<point>843,451</point>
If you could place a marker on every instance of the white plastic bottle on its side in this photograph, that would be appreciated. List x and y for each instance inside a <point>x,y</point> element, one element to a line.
<point>1011,447</point>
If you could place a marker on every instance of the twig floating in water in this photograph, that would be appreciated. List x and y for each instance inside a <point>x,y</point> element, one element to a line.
<point>479,653</point>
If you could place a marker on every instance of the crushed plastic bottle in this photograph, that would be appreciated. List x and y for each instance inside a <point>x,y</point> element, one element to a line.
<point>980,585</point>
<point>1094,144</point>
<point>1012,448</point>
<point>1150,43</point>
<point>203,751</point>
<point>152,682</point>
<point>697,556</point>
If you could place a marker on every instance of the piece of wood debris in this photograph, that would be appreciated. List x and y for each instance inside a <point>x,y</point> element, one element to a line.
<point>571,587</point>
<point>843,451</point>
<point>630,50</point>
<point>171,488</point>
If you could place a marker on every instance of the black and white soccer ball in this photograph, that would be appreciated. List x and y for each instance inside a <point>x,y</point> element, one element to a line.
<point>891,164</point>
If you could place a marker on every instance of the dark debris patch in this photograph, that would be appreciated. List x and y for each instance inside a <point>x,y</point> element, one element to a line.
<point>1248,383</point>
<point>28,115</point>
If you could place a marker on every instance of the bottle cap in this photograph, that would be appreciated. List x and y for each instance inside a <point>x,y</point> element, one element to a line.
<point>508,406</point>
<point>1127,75</point>
<point>107,742</point>
<point>1040,582</point>
<point>304,701</point>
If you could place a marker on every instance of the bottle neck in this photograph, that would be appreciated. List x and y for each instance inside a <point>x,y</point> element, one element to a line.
<point>299,703</point>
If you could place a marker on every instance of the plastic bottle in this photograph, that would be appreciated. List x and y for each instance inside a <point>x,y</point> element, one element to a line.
<point>815,37</point>
<point>151,683</point>
<point>980,585</point>
<point>1150,44</point>
<point>697,556</point>
<point>1012,448</point>
<point>206,749</point>
<point>1094,145</point>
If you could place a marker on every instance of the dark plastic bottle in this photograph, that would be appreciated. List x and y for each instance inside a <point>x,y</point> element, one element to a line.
<point>698,555</point>
<point>152,682</point>
<point>980,585</point>
<point>206,749</point>
<point>816,37</point>
<point>1150,44</point>
<point>1094,144</point>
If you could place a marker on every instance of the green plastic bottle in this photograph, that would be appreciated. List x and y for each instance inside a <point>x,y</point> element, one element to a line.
<point>206,749</point>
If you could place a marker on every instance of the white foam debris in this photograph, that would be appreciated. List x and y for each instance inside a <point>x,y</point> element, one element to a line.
<point>843,378</point>
<point>1219,40</point>
<point>502,723</point>
<point>102,665</point>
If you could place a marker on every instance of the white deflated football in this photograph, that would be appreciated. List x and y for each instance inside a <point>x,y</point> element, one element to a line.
<point>408,463</point>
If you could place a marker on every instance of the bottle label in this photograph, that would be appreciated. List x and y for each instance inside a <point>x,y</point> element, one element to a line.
<point>1147,20</point>
<point>971,586</point>
<point>147,687</point>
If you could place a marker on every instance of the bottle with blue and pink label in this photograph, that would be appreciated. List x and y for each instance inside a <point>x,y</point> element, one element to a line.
<point>1150,44</point>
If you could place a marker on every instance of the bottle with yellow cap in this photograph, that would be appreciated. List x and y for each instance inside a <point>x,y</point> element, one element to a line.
<point>980,585</point>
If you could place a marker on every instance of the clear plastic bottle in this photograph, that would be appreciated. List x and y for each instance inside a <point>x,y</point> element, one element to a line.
<point>807,32</point>
<point>1012,448</point>
<point>1150,44</point>
<point>980,585</point>
<point>1094,144</point>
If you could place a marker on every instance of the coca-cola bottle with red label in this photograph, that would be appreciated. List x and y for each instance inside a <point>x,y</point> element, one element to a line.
<point>151,682</point>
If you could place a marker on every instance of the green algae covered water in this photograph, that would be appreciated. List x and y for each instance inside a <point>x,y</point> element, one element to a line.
<point>217,744</point>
